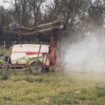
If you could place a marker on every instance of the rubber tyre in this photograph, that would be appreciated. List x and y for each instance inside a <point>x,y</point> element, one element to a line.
<point>36,68</point>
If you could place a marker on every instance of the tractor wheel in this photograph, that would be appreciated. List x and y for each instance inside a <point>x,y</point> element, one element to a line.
<point>36,68</point>
<point>46,69</point>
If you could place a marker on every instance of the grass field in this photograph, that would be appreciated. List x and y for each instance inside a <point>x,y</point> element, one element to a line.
<point>53,88</point>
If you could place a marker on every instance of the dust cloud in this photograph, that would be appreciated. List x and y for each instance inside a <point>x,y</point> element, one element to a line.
<point>84,53</point>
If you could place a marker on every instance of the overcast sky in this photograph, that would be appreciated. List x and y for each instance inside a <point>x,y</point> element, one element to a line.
<point>6,5</point>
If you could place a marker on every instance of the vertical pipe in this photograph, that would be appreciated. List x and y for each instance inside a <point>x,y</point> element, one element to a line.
<point>52,50</point>
<point>59,47</point>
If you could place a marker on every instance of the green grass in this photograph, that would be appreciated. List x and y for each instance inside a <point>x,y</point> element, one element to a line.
<point>53,88</point>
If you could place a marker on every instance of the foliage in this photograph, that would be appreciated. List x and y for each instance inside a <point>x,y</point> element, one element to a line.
<point>2,62</point>
<point>30,12</point>
<point>80,15</point>
<point>5,74</point>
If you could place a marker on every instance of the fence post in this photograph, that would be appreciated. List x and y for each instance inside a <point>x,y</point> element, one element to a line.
<point>26,41</point>
<point>15,42</point>
<point>4,48</point>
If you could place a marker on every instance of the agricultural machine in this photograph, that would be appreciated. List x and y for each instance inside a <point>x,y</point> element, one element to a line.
<point>41,56</point>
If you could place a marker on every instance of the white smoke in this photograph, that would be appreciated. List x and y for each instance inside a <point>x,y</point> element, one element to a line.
<point>85,55</point>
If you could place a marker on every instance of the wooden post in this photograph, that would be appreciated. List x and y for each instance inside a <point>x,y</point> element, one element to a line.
<point>36,63</point>
<point>4,48</point>
<point>26,41</point>
<point>15,42</point>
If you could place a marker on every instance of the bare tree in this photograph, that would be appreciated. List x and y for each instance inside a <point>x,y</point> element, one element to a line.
<point>68,9</point>
<point>36,10</point>
<point>96,12</point>
<point>6,18</point>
